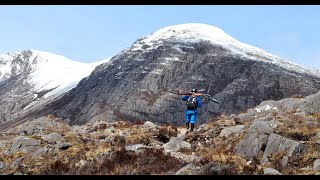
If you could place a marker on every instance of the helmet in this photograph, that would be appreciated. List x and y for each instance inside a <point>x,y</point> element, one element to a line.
<point>194,90</point>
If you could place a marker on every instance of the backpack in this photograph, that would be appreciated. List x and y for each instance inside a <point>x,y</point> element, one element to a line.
<point>191,103</point>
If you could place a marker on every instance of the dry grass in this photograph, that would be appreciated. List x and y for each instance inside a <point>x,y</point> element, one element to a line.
<point>295,128</point>
<point>92,154</point>
<point>120,162</point>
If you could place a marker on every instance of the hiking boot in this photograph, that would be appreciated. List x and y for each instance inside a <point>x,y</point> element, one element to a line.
<point>187,125</point>
<point>192,126</point>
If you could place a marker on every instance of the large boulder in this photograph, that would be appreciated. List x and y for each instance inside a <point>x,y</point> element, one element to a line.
<point>52,138</point>
<point>176,143</point>
<point>25,144</point>
<point>277,143</point>
<point>228,131</point>
<point>255,139</point>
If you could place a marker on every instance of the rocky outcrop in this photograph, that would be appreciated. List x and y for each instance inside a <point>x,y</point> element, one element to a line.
<point>232,130</point>
<point>263,145</point>
<point>176,143</point>
<point>256,138</point>
<point>277,143</point>
<point>25,144</point>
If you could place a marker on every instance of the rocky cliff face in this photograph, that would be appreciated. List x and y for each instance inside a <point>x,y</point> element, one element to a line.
<point>31,78</point>
<point>15,90</point>
<point>134,84</point>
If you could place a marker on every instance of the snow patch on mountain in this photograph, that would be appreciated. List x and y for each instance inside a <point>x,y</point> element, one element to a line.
<point>55,71</point>
<point>49,71</point>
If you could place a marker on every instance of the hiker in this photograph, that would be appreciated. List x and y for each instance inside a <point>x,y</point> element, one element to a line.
<point>191,113</point>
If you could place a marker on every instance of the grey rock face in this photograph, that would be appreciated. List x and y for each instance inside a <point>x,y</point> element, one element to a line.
<point>40,152</point>
<point>52,138</point>
<point>31,129</point>
<point>312,104</point>
<point>24,143</point>
<point>271,171</point>
<point>277,143</point>
<point>149,124</point>
<point>284,161</point>
<point>135,147</point>
<point>62,145</point>
<point>246,116</point>
<point>316,165</point>
<point>135,84</point>
<point>226,132</point>
<point>255,139</point>
<point>176,143</point>
<point>14,90</point>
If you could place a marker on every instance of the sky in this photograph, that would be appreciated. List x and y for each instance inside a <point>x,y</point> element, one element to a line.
<point>89,33</point>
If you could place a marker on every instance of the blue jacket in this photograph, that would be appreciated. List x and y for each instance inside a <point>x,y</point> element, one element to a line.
<point>198,101</point>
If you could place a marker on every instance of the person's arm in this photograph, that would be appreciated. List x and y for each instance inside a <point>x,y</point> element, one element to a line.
<point>185,98</point>
<point>199,101</point>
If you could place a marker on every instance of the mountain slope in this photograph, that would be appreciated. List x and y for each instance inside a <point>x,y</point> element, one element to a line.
<point>276,137</point>
<point>134,84</point>
<point>29,77</point>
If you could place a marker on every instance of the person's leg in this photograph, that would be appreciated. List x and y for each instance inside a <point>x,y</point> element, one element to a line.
<point>188,118</point>
<point>193,120</point>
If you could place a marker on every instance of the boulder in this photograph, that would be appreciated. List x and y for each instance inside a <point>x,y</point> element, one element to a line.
<point>271,171</point>
<point>52,138</point>
<point>226,132</point>
<point>176,143</point>
<point>277,143</point>
<point>255,139</point>
<point>24,143</point>
<point>316,165</point>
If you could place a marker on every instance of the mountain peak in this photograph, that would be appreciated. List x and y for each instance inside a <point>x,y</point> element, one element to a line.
<point>191,31</point>
<point>196,32</point>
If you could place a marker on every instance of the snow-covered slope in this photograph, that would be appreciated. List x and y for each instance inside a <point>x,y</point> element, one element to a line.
<point>48,71</point>
<point>55,71</point>
<point>195,32</point>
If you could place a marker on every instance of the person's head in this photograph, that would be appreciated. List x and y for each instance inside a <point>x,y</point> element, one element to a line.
<point>194,90</point>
